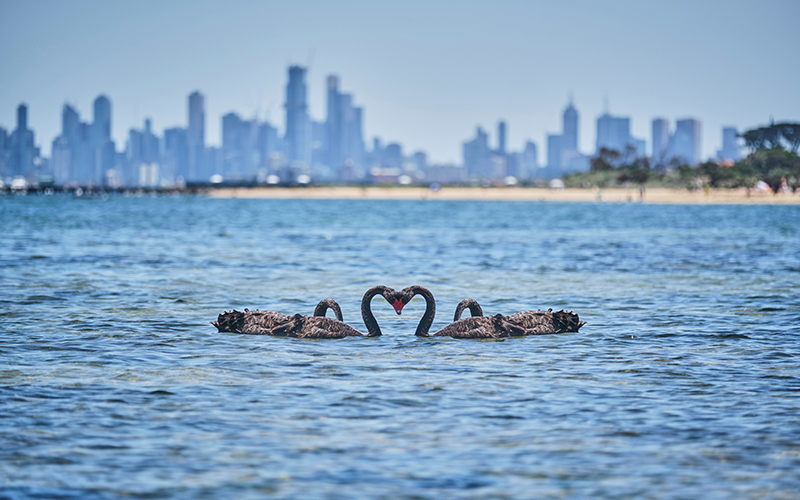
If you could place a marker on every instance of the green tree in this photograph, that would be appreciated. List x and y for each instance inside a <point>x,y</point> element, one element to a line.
<point>638,171</point>
<point>770,165</point>
<point>604,160</point>
<point>773,136</point>
<point>791,134</point>
<point>718,175</point>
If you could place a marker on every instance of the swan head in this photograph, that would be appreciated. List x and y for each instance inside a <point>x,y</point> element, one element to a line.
<point>392,296</point>
<point>398,306</point>
<point>396,299</point>
<point>406,294</point>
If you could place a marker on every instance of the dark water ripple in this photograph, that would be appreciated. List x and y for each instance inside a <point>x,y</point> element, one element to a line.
<point>685,382</point>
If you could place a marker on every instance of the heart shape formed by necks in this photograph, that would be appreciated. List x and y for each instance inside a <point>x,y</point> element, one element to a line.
<point>397,299</point>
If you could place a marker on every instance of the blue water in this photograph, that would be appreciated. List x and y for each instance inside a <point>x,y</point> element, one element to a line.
<point>685,383</point>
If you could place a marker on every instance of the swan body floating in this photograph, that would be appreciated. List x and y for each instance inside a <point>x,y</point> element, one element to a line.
<point>534,322</point>
<point>317,326</point>
<point>491,327</point>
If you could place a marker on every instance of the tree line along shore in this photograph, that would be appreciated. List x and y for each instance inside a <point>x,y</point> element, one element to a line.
<point>773,166</point>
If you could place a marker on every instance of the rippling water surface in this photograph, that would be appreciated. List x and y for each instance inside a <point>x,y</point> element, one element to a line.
<point>685,383</point>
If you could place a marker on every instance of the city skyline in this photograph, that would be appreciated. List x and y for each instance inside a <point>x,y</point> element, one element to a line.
<point>329,150</point>
<point>198,128</point>
<point>424,82</point>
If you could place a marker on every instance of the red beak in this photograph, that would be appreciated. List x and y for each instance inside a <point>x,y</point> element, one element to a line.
<point>398,306</point>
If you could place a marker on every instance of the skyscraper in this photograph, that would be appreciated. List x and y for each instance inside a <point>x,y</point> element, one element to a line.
<point>23,150</point>
<point>613,132</point>
<point>344,128</point>
<point>333,124</point>
<point>4,147</point>
<point>477,155</point>
<point>101,125</point>
<point>142,157</point>
<point>685,143</point>
<point>730,145</point>
<point>245,146</point>
<point>298,133</point>
<point>175,157</point>
<point>22,117</point>
<point>267,143</point>
<point>570,140</point>
<point>70,123</point>
<point>501,137</point>
<point>65,152</point>
<point>346,115</point>
<point>554,154</point>
<point>133,158</point>
<point>150,142</point>
<point>232,143</point>
<point>529,160</point>
<point>196,137</point>
<point>562,150</point>
<point>356,148</point>
<point>660,140</point>
<point>102,148</point>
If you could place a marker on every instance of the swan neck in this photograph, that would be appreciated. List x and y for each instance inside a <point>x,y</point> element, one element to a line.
<point>474,309</point>
<point>430,311</point>
<point>373,330</point>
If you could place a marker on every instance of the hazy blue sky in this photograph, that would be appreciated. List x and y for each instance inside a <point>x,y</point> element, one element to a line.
<point>426,72</point>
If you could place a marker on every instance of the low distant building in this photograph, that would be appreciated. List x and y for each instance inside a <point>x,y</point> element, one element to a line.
<point>445,174</point>
<point>380,175</point>
<point>149,175</point>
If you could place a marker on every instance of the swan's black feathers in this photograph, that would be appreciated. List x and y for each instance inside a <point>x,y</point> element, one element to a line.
<point>519,324</point>
<point>315,327</point>
<point>308,327</point>
<point>249,322</point>
<point>481,327</point>
<point>547,322</point>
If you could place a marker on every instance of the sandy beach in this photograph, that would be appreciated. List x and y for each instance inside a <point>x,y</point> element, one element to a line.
<point>650,196</point>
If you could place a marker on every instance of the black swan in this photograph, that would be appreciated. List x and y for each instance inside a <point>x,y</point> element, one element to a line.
<point>497,326</point>
<point>478,327</point>
<point>249,322</point>
<point>324,305</point>
<point>547,322</point>
<point>260,322</point>
<point>317,326</point>
<point>472,305</point>
<point>534,322</point>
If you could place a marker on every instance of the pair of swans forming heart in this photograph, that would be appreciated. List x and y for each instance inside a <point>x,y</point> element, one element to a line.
<point>478,326</point>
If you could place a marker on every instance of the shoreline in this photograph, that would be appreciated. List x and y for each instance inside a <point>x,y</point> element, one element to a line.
<point>654,196</point>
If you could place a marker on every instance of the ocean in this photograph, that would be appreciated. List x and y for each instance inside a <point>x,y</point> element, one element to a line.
<point>684,383</point>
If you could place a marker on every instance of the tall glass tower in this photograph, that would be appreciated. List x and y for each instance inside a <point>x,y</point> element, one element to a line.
<point>298,133</point>
<point>333,124</point>
<point>660,140</point>
<point>196,136</point>
<point>570,139</point>
<point>101,125</point>
<point>687,140</point>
